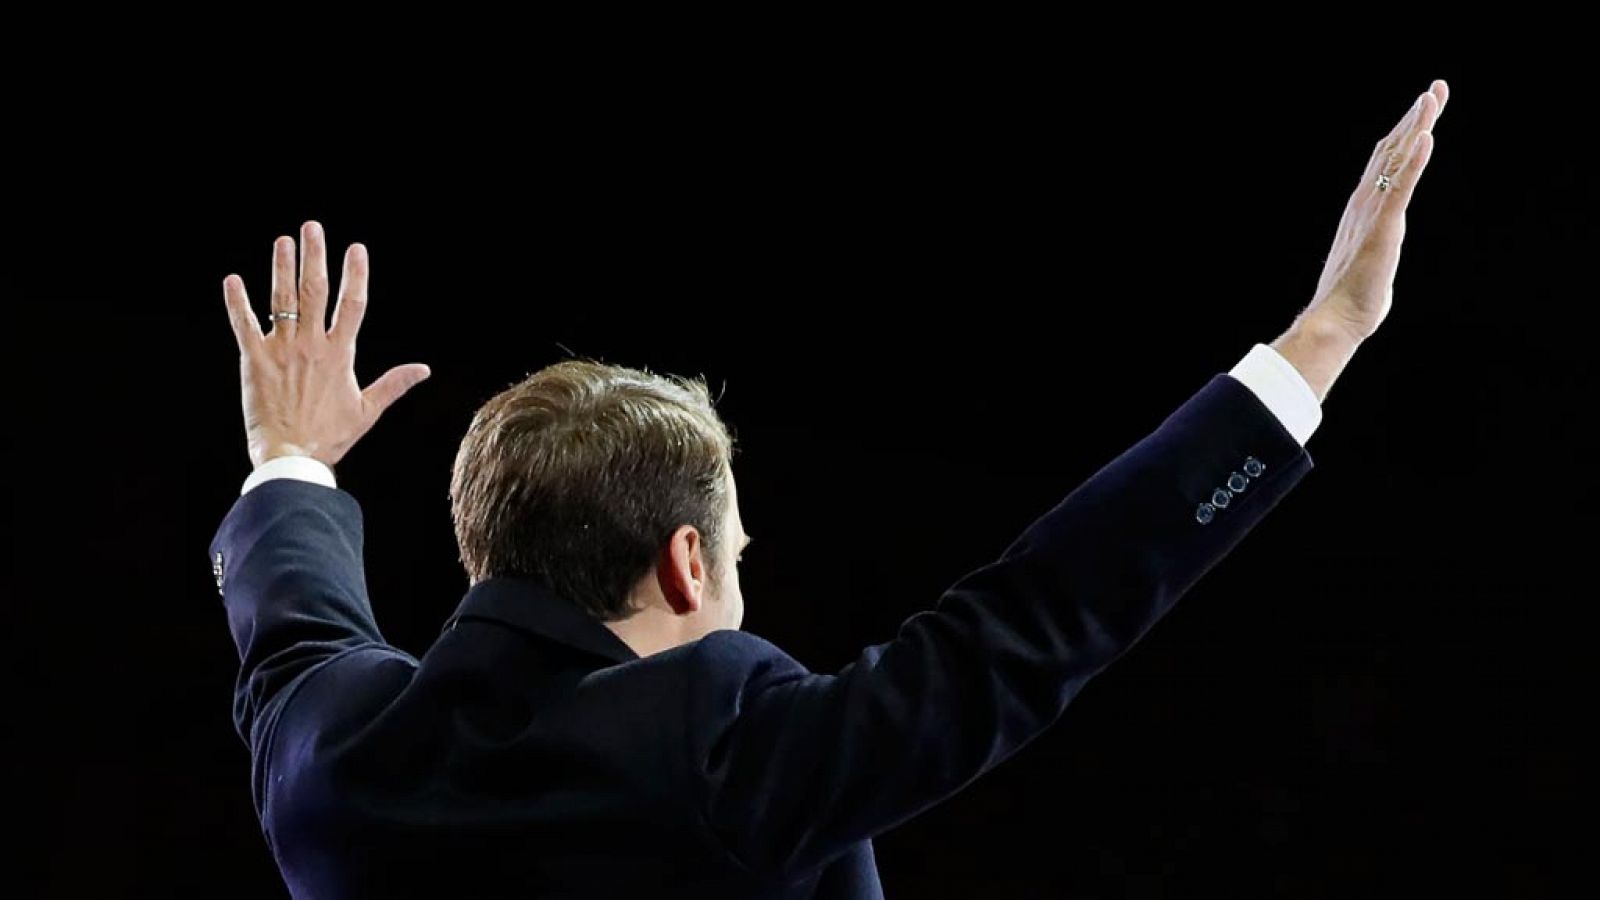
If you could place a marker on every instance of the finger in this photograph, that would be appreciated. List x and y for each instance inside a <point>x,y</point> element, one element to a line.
<point>284,296</point>
<point>313,279</point>
<point>246,328</point>
<point>1390,153</point>
<point>1400,135</point>
<point>1406,183</point>
<point>391,386</point>
<point>1427,114</point>
<point>1406,122</point>
<point>1389,219</point>
<point>352,306</point>
<point>1441,92</point>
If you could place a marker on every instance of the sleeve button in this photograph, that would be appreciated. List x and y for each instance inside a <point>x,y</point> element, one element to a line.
<point>1253,466</point>
<point>1237,483</point>
<point>1205,513</point>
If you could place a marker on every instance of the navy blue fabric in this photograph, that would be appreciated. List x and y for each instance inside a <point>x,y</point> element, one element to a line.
<point>530,752</point>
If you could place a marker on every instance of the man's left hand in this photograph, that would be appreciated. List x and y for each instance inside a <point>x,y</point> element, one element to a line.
<point>299,384</point>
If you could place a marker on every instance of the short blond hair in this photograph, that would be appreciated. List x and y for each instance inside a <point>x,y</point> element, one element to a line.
<point>580,473</point>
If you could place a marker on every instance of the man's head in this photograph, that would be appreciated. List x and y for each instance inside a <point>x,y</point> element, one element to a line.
<point>613,485</point>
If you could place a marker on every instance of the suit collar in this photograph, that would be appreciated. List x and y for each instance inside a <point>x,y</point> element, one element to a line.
<point>528,604</point>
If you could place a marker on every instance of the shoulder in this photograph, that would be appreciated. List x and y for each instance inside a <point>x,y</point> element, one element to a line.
<point>739,654</point>
<point>726,670</point>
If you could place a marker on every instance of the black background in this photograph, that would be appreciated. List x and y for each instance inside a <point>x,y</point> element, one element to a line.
<point>933,298</point>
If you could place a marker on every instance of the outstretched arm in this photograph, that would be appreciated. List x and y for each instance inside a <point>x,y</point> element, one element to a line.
<point>794,767</point>
<point>287,557</point>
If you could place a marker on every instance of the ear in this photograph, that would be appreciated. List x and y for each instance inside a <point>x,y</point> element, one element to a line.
<point>681,571</point>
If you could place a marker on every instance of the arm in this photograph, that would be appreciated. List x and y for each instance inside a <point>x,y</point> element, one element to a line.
<point>287,557</point>
<point>294,591</point>
<point>794,767</point>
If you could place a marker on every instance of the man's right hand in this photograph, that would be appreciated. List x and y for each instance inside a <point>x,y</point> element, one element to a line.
<point>299,388</point>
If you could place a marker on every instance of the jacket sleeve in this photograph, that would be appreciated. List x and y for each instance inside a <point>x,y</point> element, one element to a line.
<point>289,565</point>
<point>794,767</point>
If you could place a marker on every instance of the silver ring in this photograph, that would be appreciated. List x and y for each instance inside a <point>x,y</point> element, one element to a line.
<point>291,316</point>
<point>1384,182</point>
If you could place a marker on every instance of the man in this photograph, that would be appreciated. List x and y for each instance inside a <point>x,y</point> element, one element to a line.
<point>591,722</point>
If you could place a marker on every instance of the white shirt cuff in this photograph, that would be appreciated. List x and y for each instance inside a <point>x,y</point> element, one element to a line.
<point>1282,389</point>
<point>303,468</point>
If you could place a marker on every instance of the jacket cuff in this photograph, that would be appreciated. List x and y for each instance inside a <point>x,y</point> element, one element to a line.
<point>1282,389</point>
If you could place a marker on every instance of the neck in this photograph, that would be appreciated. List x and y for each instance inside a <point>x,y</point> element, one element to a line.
<point>650,630</point>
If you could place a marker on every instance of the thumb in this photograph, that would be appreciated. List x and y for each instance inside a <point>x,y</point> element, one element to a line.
<point>392,385</point>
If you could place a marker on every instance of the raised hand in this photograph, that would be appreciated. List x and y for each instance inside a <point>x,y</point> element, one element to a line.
<point>300,393</point>
<point>1357,284</point>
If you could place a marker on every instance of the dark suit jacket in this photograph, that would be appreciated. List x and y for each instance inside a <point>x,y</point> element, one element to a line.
<point>531,753</point>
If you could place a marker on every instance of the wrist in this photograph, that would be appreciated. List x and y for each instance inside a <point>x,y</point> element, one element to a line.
<point>1319,350</point>
<point>277,451</point>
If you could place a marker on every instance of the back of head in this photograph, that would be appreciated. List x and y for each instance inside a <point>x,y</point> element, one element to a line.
<point>580,473</point>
